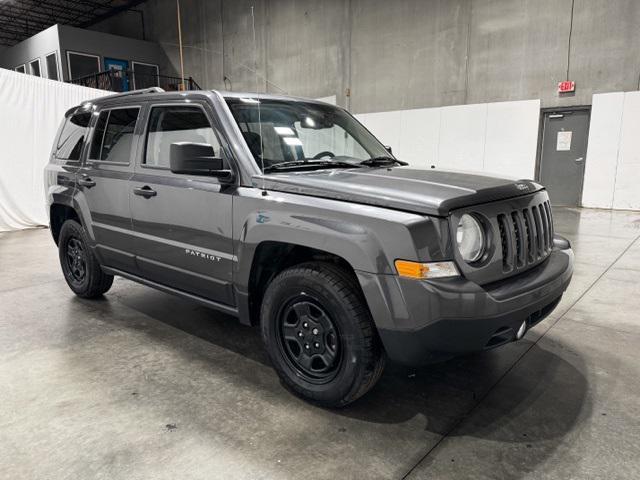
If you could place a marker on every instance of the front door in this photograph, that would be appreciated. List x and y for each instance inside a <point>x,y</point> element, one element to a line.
<point>563,155</point>
<point>103,186</point>
<point>182,223</point>
<point>121,77</point>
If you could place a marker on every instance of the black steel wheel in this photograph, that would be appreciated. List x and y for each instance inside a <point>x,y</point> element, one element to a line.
<point>319,334</point>
<point>76,259</point>
<point>309,339</point>
<point>79,264</point>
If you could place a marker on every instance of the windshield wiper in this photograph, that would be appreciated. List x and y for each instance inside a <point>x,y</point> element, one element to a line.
<point>295,164</point>
<point>382,162</point>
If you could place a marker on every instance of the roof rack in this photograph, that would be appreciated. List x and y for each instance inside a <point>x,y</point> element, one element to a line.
<point>126,94</point>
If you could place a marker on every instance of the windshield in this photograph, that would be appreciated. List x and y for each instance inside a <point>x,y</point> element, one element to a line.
<point>291,132</point>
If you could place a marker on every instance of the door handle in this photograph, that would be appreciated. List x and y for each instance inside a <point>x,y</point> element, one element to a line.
<point>64,180</point>
<point>578,160</point>
<point>87,182</point>
<point>145,191</point>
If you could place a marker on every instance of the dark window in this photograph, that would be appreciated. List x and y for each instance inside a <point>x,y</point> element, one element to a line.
<point>144,75</point>
<point>34,67</point>
<point>98,135</point>
<point>21,69</point>
<point>81,65</point>
<point>113,135</point>
<point>168,125</point>
<point>72,137</point>
<point>52,66</point>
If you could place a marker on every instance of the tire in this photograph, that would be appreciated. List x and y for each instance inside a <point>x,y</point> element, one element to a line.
<point>79,264</point>
<point>319,307</point>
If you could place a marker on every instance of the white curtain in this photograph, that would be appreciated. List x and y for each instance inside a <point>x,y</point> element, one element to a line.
<point>31,109</point>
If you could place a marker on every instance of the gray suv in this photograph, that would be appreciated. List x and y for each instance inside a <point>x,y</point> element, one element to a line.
<point>290,215</point>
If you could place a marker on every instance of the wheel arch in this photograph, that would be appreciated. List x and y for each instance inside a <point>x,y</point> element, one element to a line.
<point>272,257</point>
<point>58,214</point>
<point>280,239</point>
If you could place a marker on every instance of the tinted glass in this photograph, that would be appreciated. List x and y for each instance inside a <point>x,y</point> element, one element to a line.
<point>34,68</point>
<point>98,135</point>
<point>52,66</point>
<point>72,137</point>
<point>20,69</point>
<point>114,135</point>
<point>168,125</point>
<point>145,75</point>
<point>82,65</point>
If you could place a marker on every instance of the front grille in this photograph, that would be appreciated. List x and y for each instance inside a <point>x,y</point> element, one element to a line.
<point>526,236</point>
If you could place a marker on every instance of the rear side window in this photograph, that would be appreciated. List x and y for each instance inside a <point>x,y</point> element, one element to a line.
<point>113,135</point>
<point>72,137</point>
<point>170,124</point>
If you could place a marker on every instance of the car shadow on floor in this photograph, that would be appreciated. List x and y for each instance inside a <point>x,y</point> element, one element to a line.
<point>538,401</point>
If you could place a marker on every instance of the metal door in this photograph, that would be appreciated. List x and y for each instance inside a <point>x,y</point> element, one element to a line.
<point>182,223</point>
<point>563,155</point>
<point>103,186</point>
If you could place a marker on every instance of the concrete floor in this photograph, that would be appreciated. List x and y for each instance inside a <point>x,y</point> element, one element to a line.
<point>144,385</point>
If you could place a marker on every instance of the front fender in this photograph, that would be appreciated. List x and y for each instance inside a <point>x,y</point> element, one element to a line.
<point>368,238</point>
<point>356,244</point>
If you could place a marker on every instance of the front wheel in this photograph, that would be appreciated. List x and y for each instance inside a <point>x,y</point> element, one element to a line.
<point>80,266</point>
<point>319,334</point>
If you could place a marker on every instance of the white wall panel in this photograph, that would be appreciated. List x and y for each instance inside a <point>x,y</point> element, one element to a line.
<point>512,138</point>
<point>384,125</point>
<point>627,192</point>
<point>495,138</point>
<point>419,137</point>
<point>602,150</point>
<point>462,137</point>
<point>613,155</point>
<point>31,109</point>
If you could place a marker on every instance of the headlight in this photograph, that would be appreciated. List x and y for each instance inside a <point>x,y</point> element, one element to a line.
<point>470,238</point>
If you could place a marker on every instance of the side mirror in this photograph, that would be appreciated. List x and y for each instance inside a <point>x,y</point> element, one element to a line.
<point>196,159</point>
<point>388,149</point>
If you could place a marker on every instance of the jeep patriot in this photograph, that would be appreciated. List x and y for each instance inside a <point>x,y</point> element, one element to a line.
<point>290,215</point>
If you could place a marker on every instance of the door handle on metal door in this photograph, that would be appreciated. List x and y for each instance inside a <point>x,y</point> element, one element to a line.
<point>87,182</point>
<point>578,160</point>
<point>145,191</point>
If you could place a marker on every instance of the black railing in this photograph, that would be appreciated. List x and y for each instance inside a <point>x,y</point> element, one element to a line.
<point>126,80</point>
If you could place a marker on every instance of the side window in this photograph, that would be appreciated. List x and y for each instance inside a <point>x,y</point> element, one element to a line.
<point>170,124</point>
<point>72,136</point>
<point>113,135</point>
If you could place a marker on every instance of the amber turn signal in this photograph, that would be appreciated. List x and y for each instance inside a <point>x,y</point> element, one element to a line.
<point>423,271</point>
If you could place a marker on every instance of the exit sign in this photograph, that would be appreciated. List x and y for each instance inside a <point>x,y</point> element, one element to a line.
<point>566,86</point>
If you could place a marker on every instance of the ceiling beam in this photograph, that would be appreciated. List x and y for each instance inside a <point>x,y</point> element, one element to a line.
<point>113,11</point>
<point>20,20</point>
<point>16,14</point>
<point>46,8</point>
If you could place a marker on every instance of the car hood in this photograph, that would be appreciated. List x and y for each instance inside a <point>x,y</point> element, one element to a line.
<point>432,192</point>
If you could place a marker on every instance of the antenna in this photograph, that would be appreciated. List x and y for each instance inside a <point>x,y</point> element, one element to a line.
<point>255,69</point>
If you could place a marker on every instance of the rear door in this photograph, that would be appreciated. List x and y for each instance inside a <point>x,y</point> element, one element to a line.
<point>103,184</point>
<point>182,223</point>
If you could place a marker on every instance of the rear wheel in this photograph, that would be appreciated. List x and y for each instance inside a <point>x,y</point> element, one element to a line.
<point>320,335</point>
<point>79,264</point>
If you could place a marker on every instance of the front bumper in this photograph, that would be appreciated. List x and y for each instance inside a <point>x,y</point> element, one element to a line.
<point>429,321</point>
